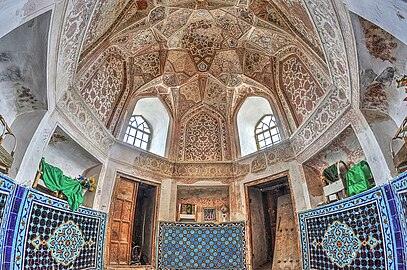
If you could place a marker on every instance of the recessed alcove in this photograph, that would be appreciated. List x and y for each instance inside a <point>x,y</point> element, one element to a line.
<point>204,197</point>
<point>23,82</point>
<point>345,147</point>
<point>65,153</point>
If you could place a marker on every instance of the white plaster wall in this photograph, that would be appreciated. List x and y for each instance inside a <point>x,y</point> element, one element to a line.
<point>396,108</point>
<point>157,116</point>
<point>23,68</point>
<point>69,156</point>
<point>249,114</point>
<point>391,15</point>
<point>24,126</point>
<point>16,12</point>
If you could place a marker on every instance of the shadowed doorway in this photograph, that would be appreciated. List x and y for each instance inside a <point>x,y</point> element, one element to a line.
<point>132,223</point>
<point>274,236</point>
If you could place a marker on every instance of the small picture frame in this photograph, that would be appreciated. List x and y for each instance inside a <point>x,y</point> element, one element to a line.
<point>209,214</point>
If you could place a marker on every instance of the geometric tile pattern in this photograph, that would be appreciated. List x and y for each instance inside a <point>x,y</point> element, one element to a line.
<point>355,233</point>
<point>43,233</point>
<point>341,245</point>
<point>58,238</point>
<point>399,186</point>
<point>7,191</point>
<point>3,201</point>
<point>201,246</point>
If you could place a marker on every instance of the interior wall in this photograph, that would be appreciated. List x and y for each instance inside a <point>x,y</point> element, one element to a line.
<point>248,116</point>
<point>94,172</point>
<point>23,82</point>
<point>63,152</point>
<point>345,147</point>
<point>204,197</point>
<point>391,16</point>
<point>23,68</point>
<point>382,60</point>
<point>23,126</point>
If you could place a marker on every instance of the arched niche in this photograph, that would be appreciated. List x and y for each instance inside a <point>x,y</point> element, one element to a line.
<point>23,82</point>
<point>248,116</point>
<point>64,152</point>
<point>155,113</point>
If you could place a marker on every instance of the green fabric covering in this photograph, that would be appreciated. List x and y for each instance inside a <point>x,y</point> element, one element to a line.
<point>357,178</point>
<point>331,173</point>
<point>55,180</point>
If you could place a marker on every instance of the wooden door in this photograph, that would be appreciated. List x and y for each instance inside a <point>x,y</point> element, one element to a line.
<point>286,254</point>
<point>121,221</point>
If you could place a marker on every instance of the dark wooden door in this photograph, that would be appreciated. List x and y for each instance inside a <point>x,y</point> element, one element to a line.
<point>121,221</point>
<point>286,254</point>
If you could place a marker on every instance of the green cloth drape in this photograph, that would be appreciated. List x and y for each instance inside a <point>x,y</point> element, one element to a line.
<point>357,178</point>
<point>331,173</point>
<point>55,180</point>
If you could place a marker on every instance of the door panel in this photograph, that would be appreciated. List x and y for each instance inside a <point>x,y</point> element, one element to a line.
<point>121,223</point>
<point>286,254</point>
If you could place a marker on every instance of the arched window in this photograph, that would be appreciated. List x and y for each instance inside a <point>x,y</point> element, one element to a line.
<point>138,132</point>
<point>267,132</point>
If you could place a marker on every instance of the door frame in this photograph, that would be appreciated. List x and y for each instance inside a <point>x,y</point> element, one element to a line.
<point>156,207</point>
<point>249,184</point>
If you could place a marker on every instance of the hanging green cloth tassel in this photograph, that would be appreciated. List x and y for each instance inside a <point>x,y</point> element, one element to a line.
<point>357,178</point>
<point>55,180</point>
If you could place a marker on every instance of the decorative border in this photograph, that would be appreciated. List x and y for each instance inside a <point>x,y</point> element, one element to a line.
<point>20,235</point>
<point>7,187</point>
<point>381,197</point>
<point>239,225</point>
<point>17,214</point>
<point>399,187</point>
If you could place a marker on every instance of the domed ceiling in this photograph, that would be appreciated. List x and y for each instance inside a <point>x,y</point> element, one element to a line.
<point>202,59</point>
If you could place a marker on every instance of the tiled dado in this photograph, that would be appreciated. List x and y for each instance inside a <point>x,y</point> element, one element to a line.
<point>362,232</point>
<point>399,185</point>
<point>41,232</point>
<point>201,246</point>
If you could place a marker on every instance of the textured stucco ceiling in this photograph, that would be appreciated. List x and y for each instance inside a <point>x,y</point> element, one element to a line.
<point>202,57</point>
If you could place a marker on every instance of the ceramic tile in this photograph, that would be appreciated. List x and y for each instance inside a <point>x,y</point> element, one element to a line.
<point>201,246</point>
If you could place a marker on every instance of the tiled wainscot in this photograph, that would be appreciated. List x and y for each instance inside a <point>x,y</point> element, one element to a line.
<point>201,246</point>
<point>362,232</point>
<point>41,232</point>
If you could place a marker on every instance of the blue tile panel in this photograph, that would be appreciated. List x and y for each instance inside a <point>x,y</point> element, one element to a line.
<point>362,232</point>
<point>43,233</point>
<point>7,191</point>
<point>201,246</point>
<point>399,186</point>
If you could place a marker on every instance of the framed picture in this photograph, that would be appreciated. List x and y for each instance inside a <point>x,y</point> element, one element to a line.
<point>209,214</point>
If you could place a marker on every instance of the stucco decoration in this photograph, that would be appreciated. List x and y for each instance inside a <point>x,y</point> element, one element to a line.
<point>179,46</point>
<point>73,106</point>
<point>259,163</point>
<point>279,152</point>
<point>175,44</point>
<point>103,89</point>
<point>201,138</point>
<point>104,15</point>
<point>298,84</point>
<point>338,100</point>
<point>153,166</point>
<point>344,147</point>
